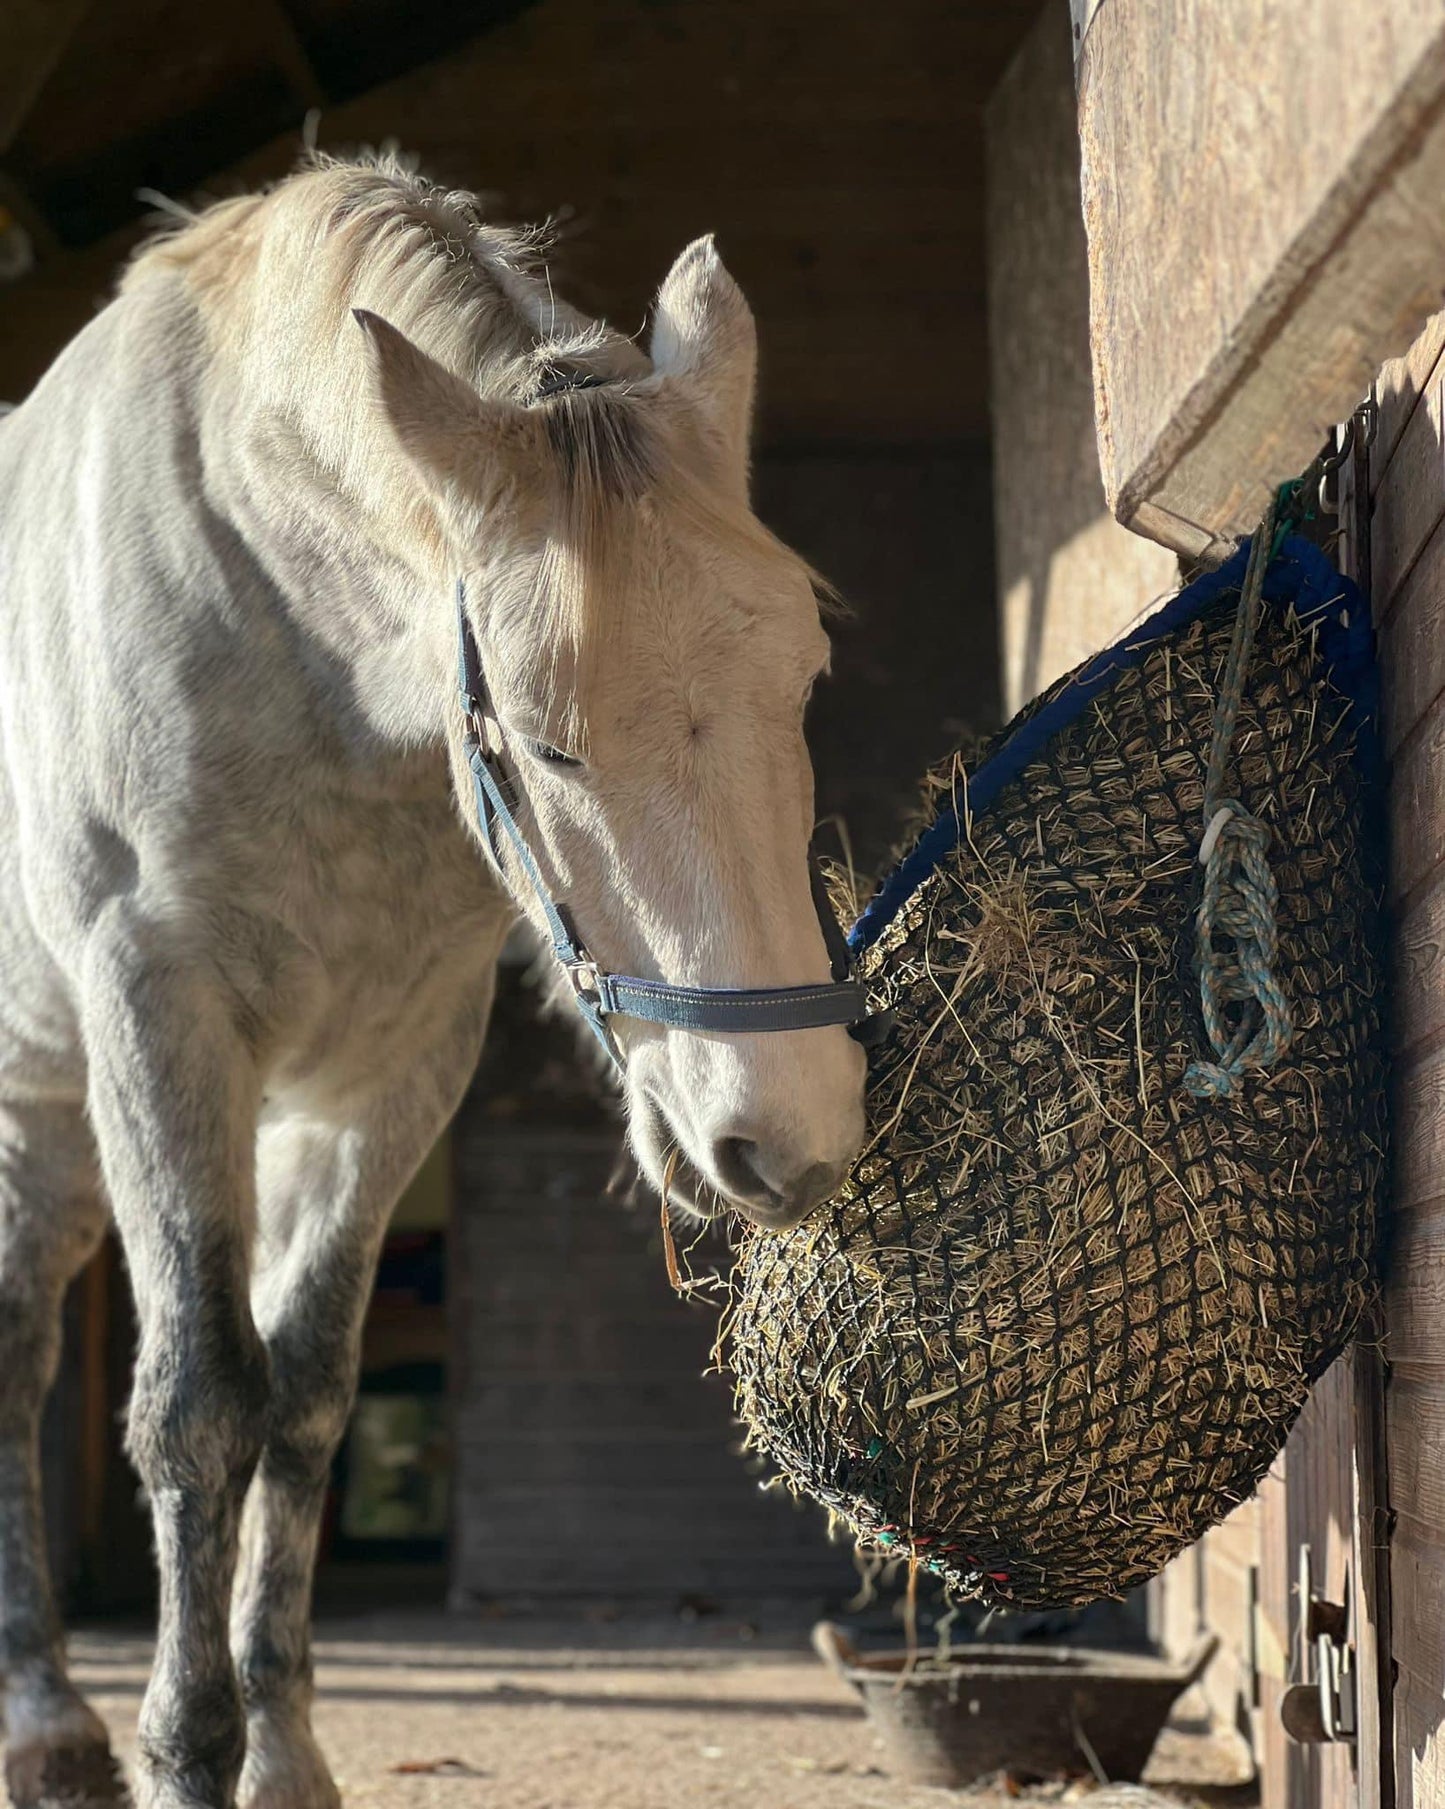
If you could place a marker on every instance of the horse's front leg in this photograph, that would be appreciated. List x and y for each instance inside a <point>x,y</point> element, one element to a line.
<point>326,1192</point>
<point>173,1103</point>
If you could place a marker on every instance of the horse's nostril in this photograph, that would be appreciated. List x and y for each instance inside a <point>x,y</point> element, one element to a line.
<point>813,1187</point>
<point>745,1174</point>
<point>736,1164</point>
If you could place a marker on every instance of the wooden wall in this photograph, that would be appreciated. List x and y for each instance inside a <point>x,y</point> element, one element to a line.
<point>835,150</point>
<point>1070,578</point>
<point>592,1456</point>
<point>1408,462</point>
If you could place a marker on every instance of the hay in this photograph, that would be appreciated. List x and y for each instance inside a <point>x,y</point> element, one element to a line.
<point>1063,1314</point>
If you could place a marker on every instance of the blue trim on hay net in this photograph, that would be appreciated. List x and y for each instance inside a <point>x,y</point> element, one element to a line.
<point>1299,574</point>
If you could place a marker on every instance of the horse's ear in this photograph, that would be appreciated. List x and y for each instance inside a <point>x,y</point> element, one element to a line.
<point>704,340</point>
<point>466,450</point>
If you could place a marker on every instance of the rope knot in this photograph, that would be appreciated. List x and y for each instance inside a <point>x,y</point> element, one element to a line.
<point>1236,940</point>
<point>1236,943</point>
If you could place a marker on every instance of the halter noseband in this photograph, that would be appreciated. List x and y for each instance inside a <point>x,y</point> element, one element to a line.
<point>600,995</point>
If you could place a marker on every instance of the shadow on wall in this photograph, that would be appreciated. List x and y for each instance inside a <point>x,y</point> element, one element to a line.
<point>906,534</point>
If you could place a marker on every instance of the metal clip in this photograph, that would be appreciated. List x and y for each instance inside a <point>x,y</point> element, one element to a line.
<point>1329,491</point>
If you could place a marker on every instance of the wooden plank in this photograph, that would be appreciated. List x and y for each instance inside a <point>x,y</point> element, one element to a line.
<point>1417,803</point>
<point>1264,230</point>
<point>1369,1471</point>
<point>1415,1297</point>
<point>1418,972</point>
<point>1419,1652</point>
<point>1070,579</point>
<point>1411,501</point>
<point>1417,1439</point>
<point>1419,1132</point>
<point>1412,642</point>
<point>1236,1540</point>
<point>1275,1639</point>
<point>1320,1502</point>
<point>1374,1591</point>
<point>1174,1598</point>
<point>1397,389</point>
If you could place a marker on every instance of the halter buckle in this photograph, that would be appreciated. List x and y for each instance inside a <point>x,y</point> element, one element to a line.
<point>586,978</point>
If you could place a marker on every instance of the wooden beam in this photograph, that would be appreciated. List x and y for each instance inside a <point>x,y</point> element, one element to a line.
<point>1070,579</point>
<point>1262,207</point>
<point>33,37</point>
<point>289,53</point>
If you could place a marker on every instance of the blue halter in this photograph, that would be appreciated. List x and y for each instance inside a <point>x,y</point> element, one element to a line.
<point>600,995</point>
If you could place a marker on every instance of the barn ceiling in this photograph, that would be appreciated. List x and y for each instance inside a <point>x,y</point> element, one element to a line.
<point>836,149</point>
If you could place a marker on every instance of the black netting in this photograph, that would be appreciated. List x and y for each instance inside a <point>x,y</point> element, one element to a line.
<point>1062,1317</point>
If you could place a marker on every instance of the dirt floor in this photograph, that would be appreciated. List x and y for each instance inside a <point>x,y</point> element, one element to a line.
<point>610,1710</point>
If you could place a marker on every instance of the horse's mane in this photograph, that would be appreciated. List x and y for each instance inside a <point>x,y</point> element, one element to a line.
<point>275,276</point>
<point>474,295</point>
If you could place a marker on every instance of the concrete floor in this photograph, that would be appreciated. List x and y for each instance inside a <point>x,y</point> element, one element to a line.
<point>608,1710</point>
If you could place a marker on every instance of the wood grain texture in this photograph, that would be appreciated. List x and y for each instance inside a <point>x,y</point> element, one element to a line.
<point>1412,641</point>
<point>1318,1471</point>
<point>1276,1630</point>
<point>592,1456</point>
<point>1419,1748</point>
<point>1398,388</point>
<point>1417,811</point>
<point>1409,604</point>
<point>1419,1131</point>
<point>1418,970</point>
<point>1411,500</point>
<point>1070,578</point>
<point>1264,229</point>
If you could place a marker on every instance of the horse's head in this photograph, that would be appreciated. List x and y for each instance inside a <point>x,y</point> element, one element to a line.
<point>649,649</point>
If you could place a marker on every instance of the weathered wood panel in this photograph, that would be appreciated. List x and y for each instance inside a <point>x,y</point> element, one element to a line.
<point>1415,487</point>
<point>592,1455</point>
<point>1409,603</point>
<point>1264,229</point>
<point>1070,578</point>
<point>1418,807</point>
<point>1418,1562</point>
<point>1314,1507</point>
<point>1411,622</point>
<point>1397,389</point>
<point>1418,990</point>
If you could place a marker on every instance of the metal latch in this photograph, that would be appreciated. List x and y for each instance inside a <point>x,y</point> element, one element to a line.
<point>1323,1704</point>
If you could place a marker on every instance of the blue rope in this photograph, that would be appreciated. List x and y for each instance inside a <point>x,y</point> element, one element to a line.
<point>1236,935</point>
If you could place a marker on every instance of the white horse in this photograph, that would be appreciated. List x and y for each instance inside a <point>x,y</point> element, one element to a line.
<point>247,930</point>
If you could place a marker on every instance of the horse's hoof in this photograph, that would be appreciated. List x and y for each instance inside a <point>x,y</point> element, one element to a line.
<point>78,1775</point>
<point>285,1771</point>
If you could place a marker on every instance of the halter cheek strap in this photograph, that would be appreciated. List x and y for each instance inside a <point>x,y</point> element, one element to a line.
<point>601,995</point>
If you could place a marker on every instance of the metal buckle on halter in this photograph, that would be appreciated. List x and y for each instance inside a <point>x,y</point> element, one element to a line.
<point>472,716</point>
<point>586,978</point>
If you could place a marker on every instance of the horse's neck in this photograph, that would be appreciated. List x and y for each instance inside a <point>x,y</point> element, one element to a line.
<point>314,524</point>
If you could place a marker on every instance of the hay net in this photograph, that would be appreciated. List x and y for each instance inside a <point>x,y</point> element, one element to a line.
<point>1063,1314</point>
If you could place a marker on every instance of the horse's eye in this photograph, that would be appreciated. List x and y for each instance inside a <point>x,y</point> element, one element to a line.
<point>554,756</point>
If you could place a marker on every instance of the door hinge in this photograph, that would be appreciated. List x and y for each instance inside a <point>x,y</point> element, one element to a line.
<point>1322,1704</point>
